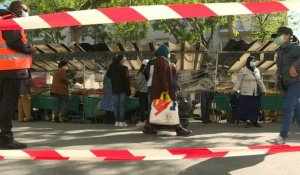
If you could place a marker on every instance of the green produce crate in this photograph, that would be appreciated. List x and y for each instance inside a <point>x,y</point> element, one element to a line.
<point>45,101</point>
<point>132,104</point>
<point>75,103</point>
<point>272,102</point>
<point>35,101</point>
<point>222,102</point>
<point>90,106</point>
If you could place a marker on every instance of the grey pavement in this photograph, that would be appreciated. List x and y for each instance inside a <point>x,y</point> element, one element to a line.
<point>101,136</point>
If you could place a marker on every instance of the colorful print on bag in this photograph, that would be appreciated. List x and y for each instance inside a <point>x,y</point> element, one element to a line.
<point>164,111</point>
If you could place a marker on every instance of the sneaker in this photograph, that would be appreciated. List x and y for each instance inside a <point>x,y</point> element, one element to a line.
<point>148,129</point>
<point>183,132</point>
<point>13,145</point>
<point>117,124</point>
<point>140,124</point>
<point>123,124</point>
<point>278,141</point>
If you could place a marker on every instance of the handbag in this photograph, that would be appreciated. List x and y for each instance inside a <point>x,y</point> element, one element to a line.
<point>164,111</point>
<point>258,88</point>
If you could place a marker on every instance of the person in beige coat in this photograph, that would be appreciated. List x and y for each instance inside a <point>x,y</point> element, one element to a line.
<point>251,87</point>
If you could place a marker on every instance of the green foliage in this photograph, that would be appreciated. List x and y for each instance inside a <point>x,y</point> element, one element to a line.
<point>50,6</point>
<point>265,24</point>
<point>47,35</point>
<point>98,33</point>
<point>132,32</point>
<point>129,32</point>
<point>190,30</point>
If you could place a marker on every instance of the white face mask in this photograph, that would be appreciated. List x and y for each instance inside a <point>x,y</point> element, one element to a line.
<point>252,64</point>
<point>169,55</point>
<point>24,14</point>
<point>65,68</point>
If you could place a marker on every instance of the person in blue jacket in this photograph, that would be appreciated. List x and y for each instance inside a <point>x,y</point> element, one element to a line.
<point>288,64</point>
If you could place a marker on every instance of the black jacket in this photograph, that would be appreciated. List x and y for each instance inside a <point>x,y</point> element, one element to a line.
<point>288,56</point>
<point>14,41</point>
<point>119,79</point>
<point>146,71</point>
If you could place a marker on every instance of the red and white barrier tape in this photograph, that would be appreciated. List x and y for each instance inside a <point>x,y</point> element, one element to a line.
<point>145,154</point>
<point>145,13</point>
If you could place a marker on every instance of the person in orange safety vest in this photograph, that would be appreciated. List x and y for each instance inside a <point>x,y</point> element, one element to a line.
<point>15,63</point>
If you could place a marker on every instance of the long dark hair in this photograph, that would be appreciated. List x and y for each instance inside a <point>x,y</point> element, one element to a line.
<point>116,63</point>
<point>117,59</point>
<point>141,69</point>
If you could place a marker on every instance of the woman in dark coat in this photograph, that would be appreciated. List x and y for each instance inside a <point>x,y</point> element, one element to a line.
<point>162,81</point>
<point>120,87</point>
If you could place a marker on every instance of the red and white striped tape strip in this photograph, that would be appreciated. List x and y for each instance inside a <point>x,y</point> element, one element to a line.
<point>145,13</point>
<point>145,154</point>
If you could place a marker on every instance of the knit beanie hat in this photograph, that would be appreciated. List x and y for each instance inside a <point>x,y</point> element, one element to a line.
<point>163,50</point>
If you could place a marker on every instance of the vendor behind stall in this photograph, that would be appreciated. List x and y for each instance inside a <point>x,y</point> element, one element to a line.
<point>60,91</point>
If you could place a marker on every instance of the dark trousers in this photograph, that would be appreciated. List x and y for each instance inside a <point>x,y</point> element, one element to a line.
<point>206,99</point>
<point>143,99</point>
<point>62,105</point>
<point>9,94</point>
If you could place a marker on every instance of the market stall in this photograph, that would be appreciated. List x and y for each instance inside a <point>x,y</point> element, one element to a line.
<point>88,64</point>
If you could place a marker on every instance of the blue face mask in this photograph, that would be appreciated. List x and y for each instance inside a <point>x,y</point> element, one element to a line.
<point>279,40</point>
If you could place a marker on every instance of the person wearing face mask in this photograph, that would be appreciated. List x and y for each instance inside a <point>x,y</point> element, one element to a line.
<point>163,81</point>
<point>15,64</point>
<point>251,87</point>
<point>288,64</point>
<point>60,91</point>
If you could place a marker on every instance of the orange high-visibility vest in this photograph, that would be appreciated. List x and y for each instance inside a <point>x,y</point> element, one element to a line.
<point>11,59</point>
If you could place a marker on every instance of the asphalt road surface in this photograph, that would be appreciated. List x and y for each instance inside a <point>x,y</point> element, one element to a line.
<point>99,136</point>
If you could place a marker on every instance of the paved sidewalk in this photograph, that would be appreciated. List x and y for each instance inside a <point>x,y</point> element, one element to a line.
<point>100,136</point>
<point>85,136</point>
